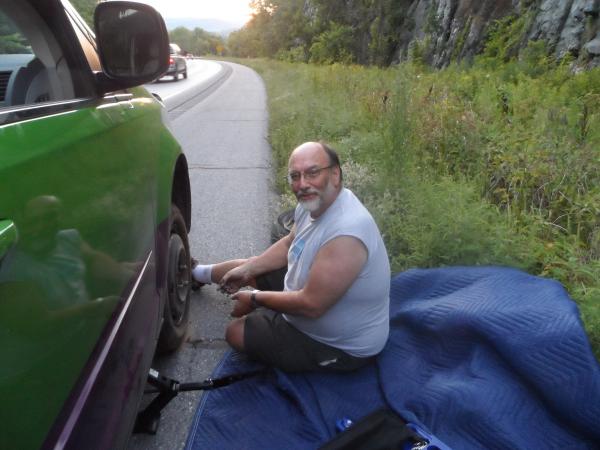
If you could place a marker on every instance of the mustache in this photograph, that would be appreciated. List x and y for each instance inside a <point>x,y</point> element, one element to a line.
<point>307,191</point>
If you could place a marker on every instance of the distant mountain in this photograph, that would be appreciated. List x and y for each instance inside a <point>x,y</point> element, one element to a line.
<point>212,25</point>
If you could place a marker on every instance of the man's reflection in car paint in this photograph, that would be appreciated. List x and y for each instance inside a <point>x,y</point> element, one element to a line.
<point>58,269</point>
<point>52,257</point>
<point>50,313</point>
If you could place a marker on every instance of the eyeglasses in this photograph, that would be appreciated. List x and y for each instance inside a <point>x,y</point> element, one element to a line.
<point>310,174</point>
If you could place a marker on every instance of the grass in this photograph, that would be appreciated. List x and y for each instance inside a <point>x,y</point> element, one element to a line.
<point>470,165</point>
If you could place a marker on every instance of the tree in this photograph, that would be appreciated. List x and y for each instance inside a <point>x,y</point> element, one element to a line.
<point>11,41</point>
<point>86,8</point>
<point>197,41</point>
<point>362,31</point>
<point>184,38</point>
<point>333,45</point>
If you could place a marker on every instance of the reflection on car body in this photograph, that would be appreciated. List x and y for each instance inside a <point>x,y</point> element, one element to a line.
<point>95,208</point>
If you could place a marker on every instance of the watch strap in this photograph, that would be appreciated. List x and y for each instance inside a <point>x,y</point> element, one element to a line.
<point>253,301</point>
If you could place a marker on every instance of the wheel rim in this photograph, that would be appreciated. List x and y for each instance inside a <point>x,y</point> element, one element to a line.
<point>179,278</point>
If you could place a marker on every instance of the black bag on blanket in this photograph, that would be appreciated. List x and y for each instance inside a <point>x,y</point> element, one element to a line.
<point>380,430</point>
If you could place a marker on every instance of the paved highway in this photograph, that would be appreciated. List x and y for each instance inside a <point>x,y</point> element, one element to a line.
<point>219,115</point>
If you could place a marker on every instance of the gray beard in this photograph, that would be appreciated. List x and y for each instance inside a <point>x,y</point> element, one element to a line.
<point>311,205</point>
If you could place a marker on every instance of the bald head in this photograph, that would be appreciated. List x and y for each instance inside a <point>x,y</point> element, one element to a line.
<point>317,151</point>
<point>315,176</point>
<point>40,223</point>
<point>311,149</point>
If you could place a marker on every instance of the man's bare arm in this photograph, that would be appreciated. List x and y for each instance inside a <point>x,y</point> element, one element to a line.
<point>337,264</point>
<point>273,258</point>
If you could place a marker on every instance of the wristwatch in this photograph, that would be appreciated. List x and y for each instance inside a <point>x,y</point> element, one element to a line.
<point>253,301</point>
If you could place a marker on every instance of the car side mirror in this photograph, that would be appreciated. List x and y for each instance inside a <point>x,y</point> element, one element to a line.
<point>133,44</point>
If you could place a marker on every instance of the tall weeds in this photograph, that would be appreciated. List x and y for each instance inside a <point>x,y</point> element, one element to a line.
<point>478,165</point>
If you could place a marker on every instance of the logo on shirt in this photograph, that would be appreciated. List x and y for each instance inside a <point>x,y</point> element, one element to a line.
<point>296,249</point>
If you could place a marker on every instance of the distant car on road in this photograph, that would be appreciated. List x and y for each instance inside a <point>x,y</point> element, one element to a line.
<point>177,62</point>
<point>95,208</point>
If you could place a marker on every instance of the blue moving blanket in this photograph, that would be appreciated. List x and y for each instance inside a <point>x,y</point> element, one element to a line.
<point>481,357</point>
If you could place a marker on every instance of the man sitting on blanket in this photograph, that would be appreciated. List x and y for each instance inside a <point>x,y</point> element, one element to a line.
<point>333,312</point>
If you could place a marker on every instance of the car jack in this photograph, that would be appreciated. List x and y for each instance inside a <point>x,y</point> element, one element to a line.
<point>167,389</point>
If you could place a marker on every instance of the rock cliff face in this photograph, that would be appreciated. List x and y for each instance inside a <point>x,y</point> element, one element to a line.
<point>456,29</point>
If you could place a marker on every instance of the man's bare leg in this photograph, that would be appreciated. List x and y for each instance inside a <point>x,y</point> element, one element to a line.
<point>234,335</point>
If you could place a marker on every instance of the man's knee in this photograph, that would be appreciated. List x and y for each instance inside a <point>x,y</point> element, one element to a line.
<point>235,334</point>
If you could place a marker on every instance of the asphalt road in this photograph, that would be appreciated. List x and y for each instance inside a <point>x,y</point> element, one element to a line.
<point>221,123</point>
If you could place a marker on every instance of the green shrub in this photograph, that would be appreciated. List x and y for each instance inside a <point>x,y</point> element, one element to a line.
<point>333,45</point>
<point>535,59</point>
<point>439,223</point>
<point>294,54</point>
<point>504,39</point>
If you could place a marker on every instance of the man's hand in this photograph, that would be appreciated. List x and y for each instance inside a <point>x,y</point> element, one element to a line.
<point>236,278</point>
<point>242,304</point>
<point>275,257</point>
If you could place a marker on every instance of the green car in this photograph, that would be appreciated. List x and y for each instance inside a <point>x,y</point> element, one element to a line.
<point>95,209</point>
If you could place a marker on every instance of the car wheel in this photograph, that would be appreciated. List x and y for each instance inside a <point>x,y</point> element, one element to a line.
<point>179,283</point>
<point>185,74</point>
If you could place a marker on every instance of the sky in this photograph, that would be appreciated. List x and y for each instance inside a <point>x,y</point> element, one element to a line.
<point>233,11</point>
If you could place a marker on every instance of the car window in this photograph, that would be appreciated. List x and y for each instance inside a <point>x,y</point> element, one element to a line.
<point>33,66</point>
<point>86,37</point>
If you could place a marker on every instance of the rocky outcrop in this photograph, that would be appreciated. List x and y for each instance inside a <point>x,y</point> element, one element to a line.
<point>451,30</point>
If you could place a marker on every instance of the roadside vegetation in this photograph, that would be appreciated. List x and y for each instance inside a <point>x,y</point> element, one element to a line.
<point>495,163</point>
<point>492,160</point>
<point>198,41</point>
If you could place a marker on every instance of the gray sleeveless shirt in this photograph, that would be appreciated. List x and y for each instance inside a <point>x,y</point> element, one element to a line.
<point>359,322</point>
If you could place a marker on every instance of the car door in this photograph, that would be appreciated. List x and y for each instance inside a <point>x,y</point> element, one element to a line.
<point>77,224</point>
